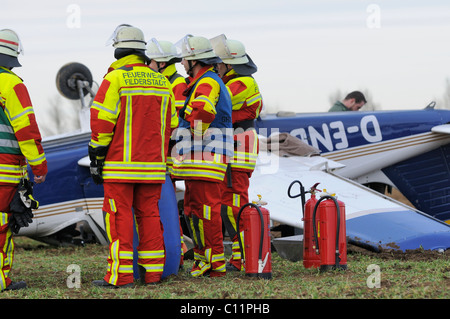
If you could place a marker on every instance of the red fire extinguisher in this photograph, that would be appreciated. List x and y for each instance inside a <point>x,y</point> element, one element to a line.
<point>255,245</point>
<point>310,258</point>
<point>330,233</point>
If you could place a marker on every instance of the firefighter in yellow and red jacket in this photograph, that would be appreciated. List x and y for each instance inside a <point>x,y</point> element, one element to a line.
<point>204,143</point>
<point>236,72</point>
<point>163,55</point>
<point>20,142</point>
<point>130,123</point>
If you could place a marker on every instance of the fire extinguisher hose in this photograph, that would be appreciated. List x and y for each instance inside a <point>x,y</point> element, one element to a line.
<point>338,226</point>
<point>302,194</point>
<point>261,240</point>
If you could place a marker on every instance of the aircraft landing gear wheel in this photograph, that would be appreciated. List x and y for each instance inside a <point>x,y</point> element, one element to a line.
<point>72,79</point>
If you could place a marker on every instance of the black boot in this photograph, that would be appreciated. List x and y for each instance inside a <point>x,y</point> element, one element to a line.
<point>142,272</point>
<point>16,285</point>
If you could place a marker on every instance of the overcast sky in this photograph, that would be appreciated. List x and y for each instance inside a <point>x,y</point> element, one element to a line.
<point>305,50</point>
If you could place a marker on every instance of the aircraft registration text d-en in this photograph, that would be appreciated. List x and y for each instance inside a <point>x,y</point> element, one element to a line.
<point>334,134</point>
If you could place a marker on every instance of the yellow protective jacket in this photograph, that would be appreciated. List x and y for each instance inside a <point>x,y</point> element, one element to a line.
<point>20,139</point>
<point>245,96</point>
<point>207,108</point>
<point>131,116</point>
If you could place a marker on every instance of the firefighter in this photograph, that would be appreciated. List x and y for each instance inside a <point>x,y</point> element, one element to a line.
<point>20,142</point>
<point>236,72</point>
<point>130,123</point>
<point>204,143</point>
<point>163,55</point>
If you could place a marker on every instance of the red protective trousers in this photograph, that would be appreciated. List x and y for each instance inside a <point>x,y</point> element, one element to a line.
<point>233,198</point>
<point>119,200</point>
<point>6,241</point>
<point>202,210</point>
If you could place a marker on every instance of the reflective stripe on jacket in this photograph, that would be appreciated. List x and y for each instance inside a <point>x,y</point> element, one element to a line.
<point>20,138</point>
<point>246,150</point>
<point>131,115</point>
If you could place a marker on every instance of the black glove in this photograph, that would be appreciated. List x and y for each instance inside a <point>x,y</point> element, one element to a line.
<point>21,206</point>
<point>18,221</point>
<point>97,156</point>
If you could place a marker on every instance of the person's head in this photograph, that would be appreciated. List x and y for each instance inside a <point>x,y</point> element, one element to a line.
<point>233,55</point>
<point>354,101</point>
<point>162,54</point>
<point>10,48</point>
<point>128,40</point>
<point>196,52</point>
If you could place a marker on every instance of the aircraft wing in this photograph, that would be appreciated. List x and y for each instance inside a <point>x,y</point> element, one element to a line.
<point>443,129</point>
<point>85,161</point>
<point>372,219</point>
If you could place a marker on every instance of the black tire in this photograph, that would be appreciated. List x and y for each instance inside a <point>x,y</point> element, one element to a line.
<point>68,75</point>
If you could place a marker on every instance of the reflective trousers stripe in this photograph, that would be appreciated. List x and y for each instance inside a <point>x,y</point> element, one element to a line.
<point>6,259</point>
<point>2,275</point>
<point>114,264</point>
<point>7,244</point>
<point>152,267</point>
<point>151,254</point>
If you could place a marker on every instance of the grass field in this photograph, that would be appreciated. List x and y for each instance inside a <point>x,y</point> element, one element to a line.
<point>388,275</point>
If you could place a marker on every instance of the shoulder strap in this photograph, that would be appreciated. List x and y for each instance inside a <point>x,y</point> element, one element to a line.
<point>174,76</point>
<point>188,94</point>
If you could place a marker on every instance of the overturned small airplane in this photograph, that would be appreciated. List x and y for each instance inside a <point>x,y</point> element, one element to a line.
<point>408,150</point>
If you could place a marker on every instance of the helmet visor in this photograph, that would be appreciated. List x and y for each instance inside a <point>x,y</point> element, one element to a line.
<point>184,48</point>
<point>160,52</point>
<point>113,38</point>
<point>219,44</point>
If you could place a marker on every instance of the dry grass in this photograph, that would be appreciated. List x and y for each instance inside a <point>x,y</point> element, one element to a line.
<point>412,275</point>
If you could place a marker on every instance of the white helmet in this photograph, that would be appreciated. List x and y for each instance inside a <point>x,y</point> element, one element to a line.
<point>10,48</point>
<point>230,51</point>
<point>127,36</point>
<point>162,51</point>
<point>197,48</point>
